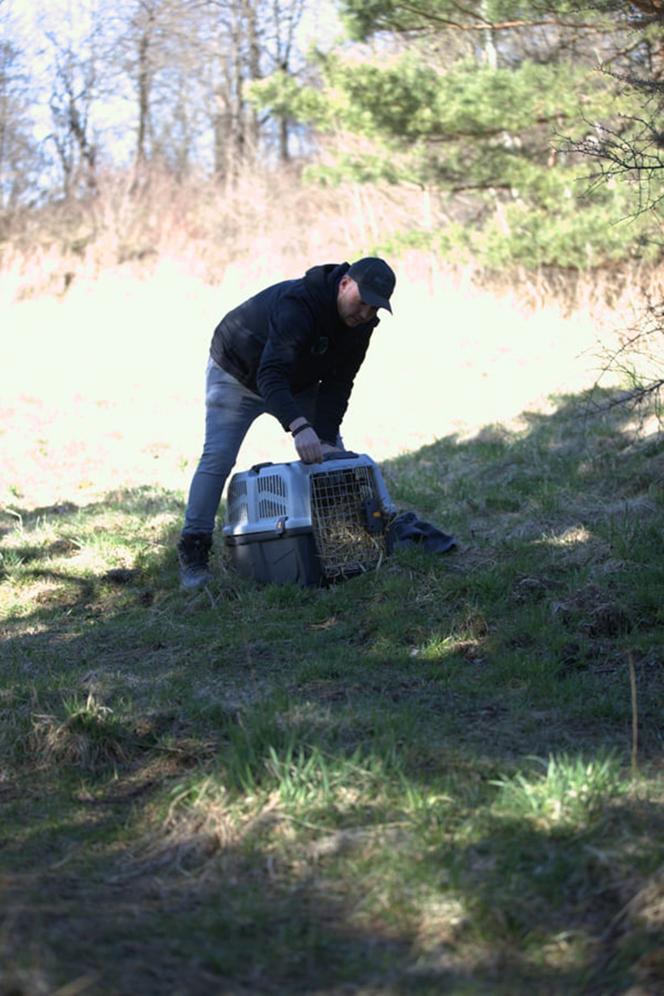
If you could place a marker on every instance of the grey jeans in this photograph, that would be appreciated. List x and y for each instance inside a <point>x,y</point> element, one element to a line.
<point>230,409</point>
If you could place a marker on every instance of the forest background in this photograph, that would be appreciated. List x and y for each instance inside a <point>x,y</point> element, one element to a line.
<point>161,159</point>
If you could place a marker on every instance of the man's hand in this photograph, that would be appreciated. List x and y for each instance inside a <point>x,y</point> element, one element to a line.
<point>329,448</point>
<point>308,445</point>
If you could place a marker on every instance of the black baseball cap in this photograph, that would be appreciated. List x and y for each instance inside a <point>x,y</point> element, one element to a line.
<point>375,281</point>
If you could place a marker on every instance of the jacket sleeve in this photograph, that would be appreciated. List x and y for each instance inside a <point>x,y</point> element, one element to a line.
<point>334,393</point>
<point>291,327</point>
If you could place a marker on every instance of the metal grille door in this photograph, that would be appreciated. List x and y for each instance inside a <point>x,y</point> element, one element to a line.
<point>341,503</point>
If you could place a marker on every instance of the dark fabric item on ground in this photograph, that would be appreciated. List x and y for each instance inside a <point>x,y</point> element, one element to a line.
<point>407,529</point>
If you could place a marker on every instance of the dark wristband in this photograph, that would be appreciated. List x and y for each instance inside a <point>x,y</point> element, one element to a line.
<point>300,428</point>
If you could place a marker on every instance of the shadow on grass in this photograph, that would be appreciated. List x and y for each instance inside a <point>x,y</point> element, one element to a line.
<point>519,907</point>
<point>437,675</point>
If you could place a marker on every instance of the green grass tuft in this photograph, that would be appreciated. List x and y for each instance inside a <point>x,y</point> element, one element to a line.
<point>569,793</point>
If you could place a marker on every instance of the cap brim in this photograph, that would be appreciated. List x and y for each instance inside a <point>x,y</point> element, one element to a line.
<point>375,300</point>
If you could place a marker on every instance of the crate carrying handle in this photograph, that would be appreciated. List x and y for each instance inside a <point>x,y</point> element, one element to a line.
<point>257,467</point>
<point>343,455</point>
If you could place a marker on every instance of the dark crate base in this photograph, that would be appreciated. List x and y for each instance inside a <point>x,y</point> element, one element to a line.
<point>277,560</point>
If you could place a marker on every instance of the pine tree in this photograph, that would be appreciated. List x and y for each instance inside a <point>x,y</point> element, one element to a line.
<point>488,104</point>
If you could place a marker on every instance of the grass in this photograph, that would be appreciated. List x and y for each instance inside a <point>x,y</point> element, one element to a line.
<point>420,780</point>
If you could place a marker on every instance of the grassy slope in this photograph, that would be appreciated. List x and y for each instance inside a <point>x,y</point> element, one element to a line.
<point>417,781</point>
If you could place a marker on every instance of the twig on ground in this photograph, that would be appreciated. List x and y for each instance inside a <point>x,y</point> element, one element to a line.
<point>17,515</point>
<point>635,716</point>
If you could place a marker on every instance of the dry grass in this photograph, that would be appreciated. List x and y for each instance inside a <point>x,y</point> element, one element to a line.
<point>85,736</point>
<point>101,382</point>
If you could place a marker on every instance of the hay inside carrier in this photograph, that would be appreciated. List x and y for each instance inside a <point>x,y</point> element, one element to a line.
<point>344,516</point>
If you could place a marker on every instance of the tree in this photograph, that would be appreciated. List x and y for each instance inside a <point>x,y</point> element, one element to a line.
<point>246,41</point>
<point>20,158</point>
<point>141,48</point>
<point>235,61</point>
<point>152,66</point>
<point>146,83</point>
<point>74,90</point>
<point>468,100</point>
<point>281,56</point>
<point>629,152</point>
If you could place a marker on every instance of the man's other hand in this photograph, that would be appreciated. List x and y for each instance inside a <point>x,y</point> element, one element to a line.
<point>328,448</point>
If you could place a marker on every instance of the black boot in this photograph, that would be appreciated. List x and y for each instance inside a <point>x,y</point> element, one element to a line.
<point>193,554</point>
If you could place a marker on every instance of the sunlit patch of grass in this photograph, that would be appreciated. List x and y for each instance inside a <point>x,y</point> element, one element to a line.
<point>11,564</point>
<point>308,779</point>
<point>570,536</point>
<point>568,793</point>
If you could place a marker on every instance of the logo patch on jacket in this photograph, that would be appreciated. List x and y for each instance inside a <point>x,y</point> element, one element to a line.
<point>320,346</point>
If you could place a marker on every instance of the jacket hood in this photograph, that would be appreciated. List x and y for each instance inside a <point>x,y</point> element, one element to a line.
<point>322,282</point>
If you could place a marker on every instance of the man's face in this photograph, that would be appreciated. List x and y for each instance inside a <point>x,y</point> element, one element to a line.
<point>352,309</point>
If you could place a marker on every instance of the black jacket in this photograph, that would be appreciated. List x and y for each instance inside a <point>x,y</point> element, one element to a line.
<point>287,338</point>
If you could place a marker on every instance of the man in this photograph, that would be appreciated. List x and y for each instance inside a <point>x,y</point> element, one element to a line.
<point>292,350</point>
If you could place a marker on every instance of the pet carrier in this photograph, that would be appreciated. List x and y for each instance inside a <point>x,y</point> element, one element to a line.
<point>307,523</point>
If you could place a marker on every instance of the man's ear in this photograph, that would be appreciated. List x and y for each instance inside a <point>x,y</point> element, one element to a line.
<point>345,280</point>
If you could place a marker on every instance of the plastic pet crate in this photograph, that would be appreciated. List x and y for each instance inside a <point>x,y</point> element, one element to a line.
<point>307,523</point>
